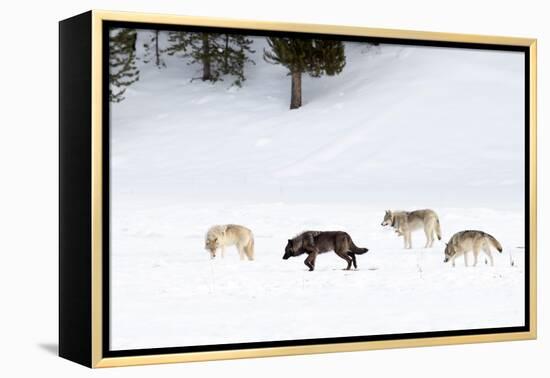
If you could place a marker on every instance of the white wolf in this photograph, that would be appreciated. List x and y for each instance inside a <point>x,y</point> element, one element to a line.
<point>404,222</point>
<point>471,240</point>
<point>220,236</point>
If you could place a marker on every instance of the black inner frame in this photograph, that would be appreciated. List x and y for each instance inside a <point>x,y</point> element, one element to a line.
<point>107,25</point>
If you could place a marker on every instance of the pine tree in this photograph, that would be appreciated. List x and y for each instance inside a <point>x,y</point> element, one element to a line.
<point>217,54</point>
<point>205,50</point>
<point>178,42</point>
<point>153,50</point>
<point>236,51</point>
<point>122,62</point>
<point>312,56</point>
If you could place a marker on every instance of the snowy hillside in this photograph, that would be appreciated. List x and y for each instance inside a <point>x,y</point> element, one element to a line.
<point>443,123</point>
<point>399,128</point>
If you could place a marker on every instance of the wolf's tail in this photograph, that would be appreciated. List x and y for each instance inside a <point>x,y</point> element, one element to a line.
<point>437,229</point>
<point>249,249</point>
<point>355,249</point>
<point>494,242</point>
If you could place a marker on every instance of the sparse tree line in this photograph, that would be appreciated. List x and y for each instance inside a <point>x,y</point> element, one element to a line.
<point>221,56</point>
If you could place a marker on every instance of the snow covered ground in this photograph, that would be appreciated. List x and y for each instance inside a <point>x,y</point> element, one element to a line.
<point>399,128</point>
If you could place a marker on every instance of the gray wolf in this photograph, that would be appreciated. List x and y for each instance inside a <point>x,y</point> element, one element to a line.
<point>470,240</point>
<point>221,236</point>
<point>404,222</point>
<point>315,242</point>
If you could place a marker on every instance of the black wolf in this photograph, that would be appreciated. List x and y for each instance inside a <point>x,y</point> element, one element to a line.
<point>315,242</point>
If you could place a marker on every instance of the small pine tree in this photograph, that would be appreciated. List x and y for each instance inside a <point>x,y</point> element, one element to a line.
<point>153,51</point>
<point>217,54</point>
<point>205,50</point>
<point>236,51</point>
<point>122,62</point>
<point>312,56</point>
<point>178,42</point>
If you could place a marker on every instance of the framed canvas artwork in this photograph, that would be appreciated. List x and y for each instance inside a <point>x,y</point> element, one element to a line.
<point>235,189</point>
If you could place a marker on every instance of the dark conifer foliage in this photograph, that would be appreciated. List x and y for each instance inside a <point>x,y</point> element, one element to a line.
<point>236,53</point>
<point>216,54</point>
<point>153,52</point>
<point>178,42</point>
<point>122,62</point>
<point>312,56</point>
<point>221,56</point>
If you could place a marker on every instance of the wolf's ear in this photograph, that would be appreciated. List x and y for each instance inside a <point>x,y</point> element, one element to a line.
<point>290,240</point>
<point>446,243</point>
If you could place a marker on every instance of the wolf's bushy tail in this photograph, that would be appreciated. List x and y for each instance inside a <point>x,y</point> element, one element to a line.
<point>494,242</point>
<point>355,249</point>
<point>437,229</point>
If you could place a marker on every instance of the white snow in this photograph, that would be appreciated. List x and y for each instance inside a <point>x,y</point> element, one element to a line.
<point>399,128</point>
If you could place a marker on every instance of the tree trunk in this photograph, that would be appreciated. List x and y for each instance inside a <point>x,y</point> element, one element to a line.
<point>206,73</point>
<point>226,54</point>
<point>157,54</point>
<point>296,90</point>
<point>133,41</point>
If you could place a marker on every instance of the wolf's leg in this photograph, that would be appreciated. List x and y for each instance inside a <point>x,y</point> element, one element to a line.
<point>222,252</point>
<point>433,235</point>
<point>310,261</point>
<point>353,259</point>
<point>428,233</point>
<point>465,258</point>
<point>409,239</point>
<point>344,255</point>
<point>241,251</point>
<point>476,253</point>
<point>487,251</point>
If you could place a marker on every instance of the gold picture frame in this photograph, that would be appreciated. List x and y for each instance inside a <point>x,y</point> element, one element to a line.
<point>89,330</point>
